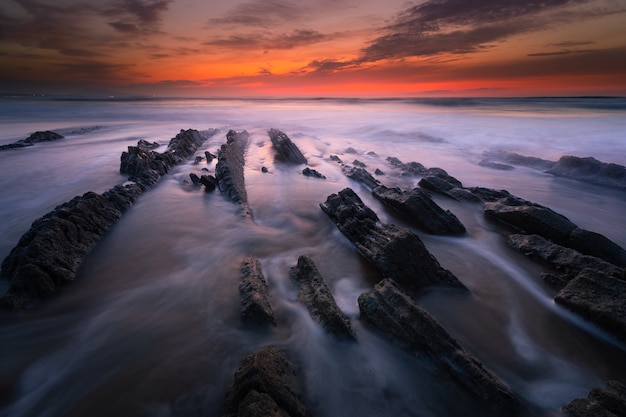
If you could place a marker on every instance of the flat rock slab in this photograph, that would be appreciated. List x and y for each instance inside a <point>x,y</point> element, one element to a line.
<point>393,312</point>
<point>590,170</point>
<point>316,296</point>
<point>255,300</point>
<point>265,384</point>
<point>397,253</point>
<point>421,210</point>
<point>607,402</point>
<point>598,297</point>
<point>286,150</point>
<point>37,137</point>
<point>229,170</point>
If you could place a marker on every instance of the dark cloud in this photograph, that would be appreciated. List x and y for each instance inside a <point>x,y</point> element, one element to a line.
<point>565,52</point>
<point>146,11</point>
<point>79,52</point>
<point>96,70</point>
<point>261,13</point>
<point>263,40</point>
<point>461,26</point>
<point>124,27</point>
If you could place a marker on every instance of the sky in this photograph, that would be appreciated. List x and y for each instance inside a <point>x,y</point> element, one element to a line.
<point>314,48</point>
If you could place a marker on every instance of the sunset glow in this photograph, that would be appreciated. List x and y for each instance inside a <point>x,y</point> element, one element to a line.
<point>320,48</point>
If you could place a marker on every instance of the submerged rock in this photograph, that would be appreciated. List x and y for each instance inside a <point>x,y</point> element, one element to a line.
<point>361,175</point>
<point>265,384</point>
<point>308,172</point>
<point>209,182</point>
<point>287,150</point>
<point>41,136</point>
<point>394,313</point>
<point>398,253</point>
<point>255,300</point>
<point>607,402</point>
<point>316,296</point>
<point>448,186</point>
<point>517,159</point>
<point>590,170</point>
<point>229,170</point>
<point>421,210</point>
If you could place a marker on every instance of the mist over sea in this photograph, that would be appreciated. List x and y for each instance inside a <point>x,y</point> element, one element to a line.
<point>151,325</point>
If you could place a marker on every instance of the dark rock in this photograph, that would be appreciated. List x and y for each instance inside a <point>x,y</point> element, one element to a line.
<point>358,163</point>
<point>517,159</point>
<point>488,194</point>
<point>607,402</point>
<point>45,136</point>
<point>255,300</point>
<point>229,170</point>
<point>312,173</point>
<point>396,314</point>
<point>147,146</point>
<point>209,156</point>
<point>495,165</point>
<point>335,158</point>
<point>316,296</point>
<point>397,253</point>
<point>194,178</point>
<point>264,170</point>
<point>379,172</point>
<point>590,170</point>
<point>568,262</point>
<point>197,160</point>
<point>351,150</point>
<point>420,209</point>
<point>265,384</point>
<point>531,218</point>
<point>448,186</point>
<point>209,182</point>
<point>598,297</point>
<point>361,175</point>
<point>555,281</point>
<point>287,150</point>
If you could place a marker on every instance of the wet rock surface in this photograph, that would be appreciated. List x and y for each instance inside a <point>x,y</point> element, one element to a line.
<point>286,150</point>
<point>316,296</point>
<point>308,172</point>
<point>394,313</point>
<point>37,137</point>
<point>265,384</point>
<point>255,300</point>
<point>398,253</point>
<point>590,170</point>
<point>607,402</point>
<point>517,159</point>
<point>229,170</point>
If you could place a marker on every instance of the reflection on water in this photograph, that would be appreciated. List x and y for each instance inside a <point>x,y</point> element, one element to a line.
<point>152,327</point>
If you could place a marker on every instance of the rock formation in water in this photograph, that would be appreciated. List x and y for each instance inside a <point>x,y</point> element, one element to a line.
<point>448,186</point>
<point>255,299</point>
<point>229,170</point>
<point>394,313</point>
<point>517,159</point>
<point>495,165</point>
<point>316,296</point>
<point>37,137</point>
<point>308,172</point>
<point>265,384</point>
<point>398,253</point>
<point>607,402</point>
<point>286,150</point>
<point>48,255</point>
<point>361,175</point>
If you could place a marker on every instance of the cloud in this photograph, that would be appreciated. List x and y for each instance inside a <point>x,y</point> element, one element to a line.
<point>137,15</point>
<point>564,52</point>
<point>261,13</point>
<point>262,40</point>
<point>124,27</point>
<point>462,27</point>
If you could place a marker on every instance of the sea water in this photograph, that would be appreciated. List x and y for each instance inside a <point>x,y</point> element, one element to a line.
<point>151,324</point>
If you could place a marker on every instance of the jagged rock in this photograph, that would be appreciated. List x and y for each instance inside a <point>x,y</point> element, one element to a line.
<point>393,312</point>
<point>229,170</point>
<point>42,136</point>
<point>194,178</point>
<point>487,194</point>
<point>312,173</point>
<point>358,163</point>
<point>517,159</point>
<point>361,175</point>
<point>209,182</point>
<point>209,156</point>
<point>197,160</point>
<point>590,170</point>
<point>147,146</point>
<point>531,218</point>
<point>397,253</point>
<point>448,186</point>
<point>316,296</point>
<point>335,158</point>
<point>568,262</point>
<point>607,402</point>
<point>495,165</point>
<point>598,297</point>
<point>265,384</point>
<point>255,299</point>
<point>47,256</point>
<point>379,172</point>
<point>264,170</point>
<point>420,210</point>
<point>287,150</point>
<point>350,150</point>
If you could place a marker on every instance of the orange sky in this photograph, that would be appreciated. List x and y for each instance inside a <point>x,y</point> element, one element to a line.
<point>362,48</point>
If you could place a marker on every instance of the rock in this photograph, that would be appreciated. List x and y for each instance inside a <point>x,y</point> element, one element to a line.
<point>350,150</point>
<point>590,170</point>
<point>335,158</point>
<point>209,182</point>
<point>598,297</point>
<point>209,156</point>
<point>45,136</point>
<point>531,218</point>
<point>312,173</point>
<point>488,194</point>
<point>358,163</point>
<point>398,253</point>
<point>420,209</point>
<point>264,170</point>
<point>517,159</point>
<point>194,179</point>
<point>287,150</point>
<point>265,384</point>
<point>494,165</point>
<point>379,172</point>
<point>607,402</point>
<point>197,160</point>
<point>448,186</point>
<point>361,175</point>
<point>229,170</point>
<point>568,262</point>
<point>147,146</point>
<point>316,296</point>
<point>394,313</point>
<point>255,300</point>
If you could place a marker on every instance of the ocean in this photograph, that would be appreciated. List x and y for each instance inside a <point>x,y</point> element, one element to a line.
<point>151,324</point>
